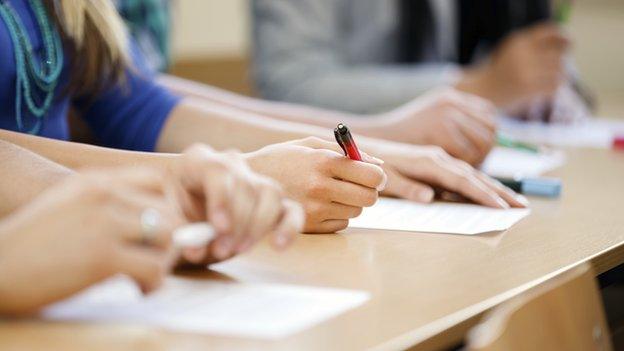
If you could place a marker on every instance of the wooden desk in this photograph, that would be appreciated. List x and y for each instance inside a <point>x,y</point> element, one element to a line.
<point>427,289</point>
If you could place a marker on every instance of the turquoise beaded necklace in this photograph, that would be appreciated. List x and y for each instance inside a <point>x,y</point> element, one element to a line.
<point>35,81</point>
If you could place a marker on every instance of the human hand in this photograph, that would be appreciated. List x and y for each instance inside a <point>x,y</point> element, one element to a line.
<point>415,172</point>
<point>82,231</point>
<point>241,205</point>
<point>331,188</point>
<point>462,124</point>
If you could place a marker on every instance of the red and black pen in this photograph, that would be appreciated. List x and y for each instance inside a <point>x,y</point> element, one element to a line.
<point>346,142</point>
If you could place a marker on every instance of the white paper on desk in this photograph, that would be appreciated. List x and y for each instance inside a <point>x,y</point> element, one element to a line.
<point>437,217</point>
<point>593,132</point>
<point>510,163</point>
<point>263,311</point>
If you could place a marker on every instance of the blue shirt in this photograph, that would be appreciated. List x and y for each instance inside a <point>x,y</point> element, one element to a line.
<point>128,116</point>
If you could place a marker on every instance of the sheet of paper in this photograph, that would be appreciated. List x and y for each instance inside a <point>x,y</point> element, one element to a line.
<point>438,217</point>
<point>263,311</point>
<point>510,163</point>
<point>595,132</point>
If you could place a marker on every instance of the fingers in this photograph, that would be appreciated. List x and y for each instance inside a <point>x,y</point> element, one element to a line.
<point>453,175</point>
<point>241,205</point>
<point>146,267</point>
<point>218,190</point>
<point>263,220</point>
<point>333,210</point>
<point>513,199</point>
<point>478,108</point>
<point>482,139</point>
<point>457,144</point>
<point>242,208</point>
<point>318,143</point>
<point>406,188</point>
<point>129,207</point>
<point>461,178</point>
<point>289,225</point>
<point>347,193</point>
<point>362,173</point>
<point>330,226</point>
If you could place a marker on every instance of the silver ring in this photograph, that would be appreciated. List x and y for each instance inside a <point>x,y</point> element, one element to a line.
<point>150,221</point>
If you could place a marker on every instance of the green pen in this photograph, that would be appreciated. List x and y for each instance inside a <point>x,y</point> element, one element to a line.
<point>504,141</point>
<point>563,11</point>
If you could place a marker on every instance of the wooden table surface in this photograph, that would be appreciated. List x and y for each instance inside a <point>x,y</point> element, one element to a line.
<point>427,289</point>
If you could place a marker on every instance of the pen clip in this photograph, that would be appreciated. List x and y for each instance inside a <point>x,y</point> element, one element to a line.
<point>339,141</point>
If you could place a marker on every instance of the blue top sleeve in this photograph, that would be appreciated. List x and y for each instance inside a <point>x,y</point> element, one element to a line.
<point>130,115</point>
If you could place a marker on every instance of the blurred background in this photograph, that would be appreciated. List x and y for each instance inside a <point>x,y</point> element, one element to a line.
<point>211,44</point>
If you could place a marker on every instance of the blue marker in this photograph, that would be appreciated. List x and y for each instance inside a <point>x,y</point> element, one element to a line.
<point>546,187</point>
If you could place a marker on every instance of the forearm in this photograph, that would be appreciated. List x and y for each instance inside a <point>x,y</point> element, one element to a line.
<point>24,175</point>
<point>278,110</point>
<point>76,155</point>
<point>223,127</point>
<point>375,126</point>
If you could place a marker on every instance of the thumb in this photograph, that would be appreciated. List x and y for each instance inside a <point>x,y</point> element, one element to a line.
<point>403,187</point>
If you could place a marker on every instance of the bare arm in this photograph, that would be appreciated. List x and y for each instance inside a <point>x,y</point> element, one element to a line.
<point>24,175</point>
<point>76,155</point>
<point>279,110</point>
<point>224,127</point>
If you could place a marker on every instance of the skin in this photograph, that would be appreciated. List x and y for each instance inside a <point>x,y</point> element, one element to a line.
<point>97,213</point>
<point>462,124</point>
<point>97,217</point>
<point>412,170</point>
<point>30,177</point>
<point>528,65</point>
<point>243,206</point>
<point>336,188</point>
<point>202,120</point>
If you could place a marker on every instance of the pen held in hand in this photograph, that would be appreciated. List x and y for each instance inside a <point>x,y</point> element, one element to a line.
<point>345,140</point>
<point>195,235</point>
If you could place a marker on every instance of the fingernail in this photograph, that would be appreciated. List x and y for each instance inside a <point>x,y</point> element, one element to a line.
<point>503,204</point>
<point>423,195</point>
<point>223,247</point>
<point>523,200</point>
<point>372,159</point>
<point>382,186</point>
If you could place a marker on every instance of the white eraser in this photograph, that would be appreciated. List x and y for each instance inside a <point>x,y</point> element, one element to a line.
<point>193,235</point>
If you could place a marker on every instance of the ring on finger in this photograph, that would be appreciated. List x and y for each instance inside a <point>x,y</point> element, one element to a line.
<point>150,222</point>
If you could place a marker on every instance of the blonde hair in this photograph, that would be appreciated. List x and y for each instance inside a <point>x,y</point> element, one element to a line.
<point>97,39</point>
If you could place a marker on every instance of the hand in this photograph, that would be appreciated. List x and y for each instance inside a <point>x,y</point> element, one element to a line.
<point>83,231</point>
<point>242,206</point>
<point>527,64</point>
<point>462,124</point>
<point>331,187</point>
<point>415,171</point>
